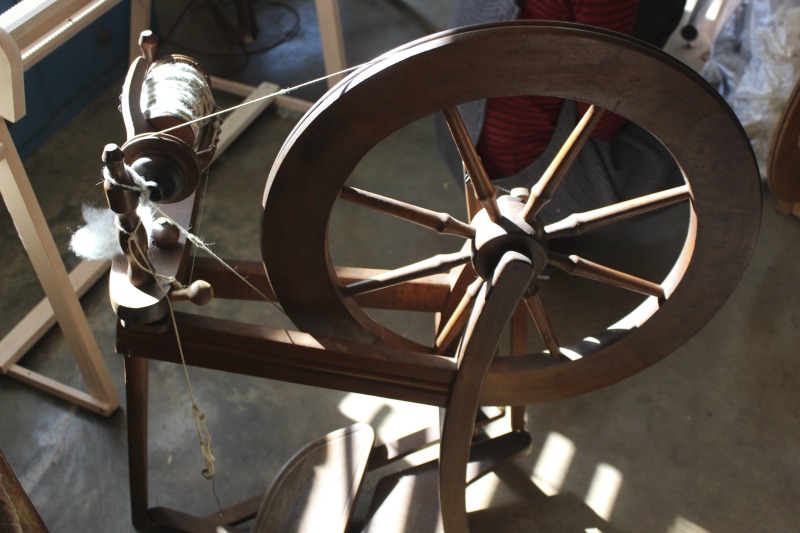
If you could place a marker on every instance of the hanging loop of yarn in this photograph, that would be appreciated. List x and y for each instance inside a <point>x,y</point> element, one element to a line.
<point>203,434</point>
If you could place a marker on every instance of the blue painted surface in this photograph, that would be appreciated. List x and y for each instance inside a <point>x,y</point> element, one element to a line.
<point>68,79</point>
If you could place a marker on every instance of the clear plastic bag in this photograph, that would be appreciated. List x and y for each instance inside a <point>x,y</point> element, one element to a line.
<point>754,63</point>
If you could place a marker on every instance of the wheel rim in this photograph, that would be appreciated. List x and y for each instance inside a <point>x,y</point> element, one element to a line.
<point>629,78</point>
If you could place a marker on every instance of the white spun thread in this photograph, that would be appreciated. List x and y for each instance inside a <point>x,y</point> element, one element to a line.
<point>177,89</point>
<point>144,200</point>
<point>261,99</point>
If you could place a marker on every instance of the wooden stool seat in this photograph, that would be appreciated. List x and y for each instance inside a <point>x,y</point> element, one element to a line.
<point>317,489</point>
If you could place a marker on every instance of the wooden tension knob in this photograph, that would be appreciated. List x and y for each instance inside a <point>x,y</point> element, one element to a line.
<point>199,293</point>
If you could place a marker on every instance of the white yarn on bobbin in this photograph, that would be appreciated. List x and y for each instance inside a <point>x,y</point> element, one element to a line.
<point>176,88</point>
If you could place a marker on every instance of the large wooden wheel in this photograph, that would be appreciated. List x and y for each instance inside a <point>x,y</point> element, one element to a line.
<point>784,156</point>
<point>437,73</point>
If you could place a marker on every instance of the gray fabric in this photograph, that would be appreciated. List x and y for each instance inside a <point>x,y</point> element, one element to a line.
<point>632,164</point>
<point>470,12</point>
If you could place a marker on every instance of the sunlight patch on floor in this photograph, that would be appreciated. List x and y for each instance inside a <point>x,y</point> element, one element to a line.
<point>684,525</point>
<point>553,463</point>
<point>391,419</point>
<point>604,489</point>
<point>481,492</point>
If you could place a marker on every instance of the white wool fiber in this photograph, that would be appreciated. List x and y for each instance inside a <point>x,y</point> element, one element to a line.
<point>97,239</point>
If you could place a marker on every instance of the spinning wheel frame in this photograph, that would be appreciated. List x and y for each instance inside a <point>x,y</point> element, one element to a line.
<point>346,350</point>
<point>626,77</point>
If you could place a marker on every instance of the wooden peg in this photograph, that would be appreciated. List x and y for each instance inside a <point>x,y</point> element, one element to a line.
<point>165,234</point>
<point>148,42</point>
<point>199,293</point>
<point>121,200</point>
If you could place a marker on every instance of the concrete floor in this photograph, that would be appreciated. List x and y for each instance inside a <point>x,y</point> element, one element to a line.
<point>704,441</point>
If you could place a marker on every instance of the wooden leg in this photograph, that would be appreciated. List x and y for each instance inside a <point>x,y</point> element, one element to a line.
<point>136,384</point>
<point>241,118</point>
<point>330,31</point>
<point>519,343</point>
<point>35,235</point>
<point>41,318</point>
<point>140,21</point>
<point>493,309</point>
<point>16,508</point>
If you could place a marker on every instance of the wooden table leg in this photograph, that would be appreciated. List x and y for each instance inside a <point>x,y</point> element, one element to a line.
<point>519,344</point>
<point>136,385</point>
<point>330,32</point>
<point>35,235</point>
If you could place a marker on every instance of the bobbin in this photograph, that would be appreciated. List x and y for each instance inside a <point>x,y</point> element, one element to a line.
<point>176,90</point>
<point>164,94</point>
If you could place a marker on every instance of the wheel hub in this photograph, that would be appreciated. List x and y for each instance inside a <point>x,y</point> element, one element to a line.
<point>511,233</point>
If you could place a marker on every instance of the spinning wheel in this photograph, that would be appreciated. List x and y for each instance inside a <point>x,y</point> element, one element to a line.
<point>784,157</point>
<point>439,72</point>
<point>505,243</point>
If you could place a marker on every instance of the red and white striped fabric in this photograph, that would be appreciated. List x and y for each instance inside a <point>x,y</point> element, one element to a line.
<point>517,129</point>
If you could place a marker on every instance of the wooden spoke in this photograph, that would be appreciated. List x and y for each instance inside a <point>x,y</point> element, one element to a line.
<point>440,222</point>
<point>433,265</point>
<point>548,183</point>
<point>484,190</point>
<point>459,281</point>
<point>458,319</point>
<point>579,223</point>
<point>533,301</point>
<point>470,197</point>
<point>578,266</point>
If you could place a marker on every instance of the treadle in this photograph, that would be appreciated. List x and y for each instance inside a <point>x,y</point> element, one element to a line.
<point>238,513</point>
<point>394,451</point>
<point>230,516</point>
<point>179,521</point>
<point>408,501</point>
<point>318,487</point>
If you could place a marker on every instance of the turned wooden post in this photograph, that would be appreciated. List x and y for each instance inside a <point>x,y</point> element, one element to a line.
<point>124,201</point>
<point>148,43</point>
